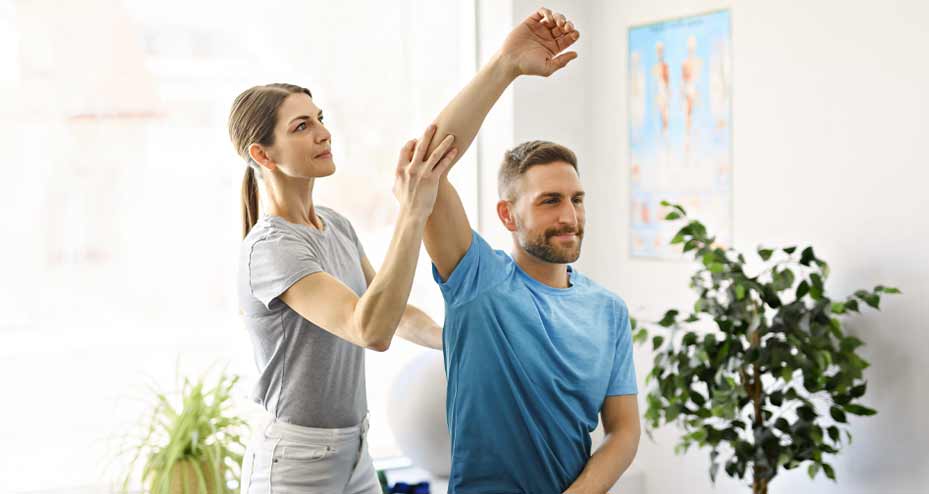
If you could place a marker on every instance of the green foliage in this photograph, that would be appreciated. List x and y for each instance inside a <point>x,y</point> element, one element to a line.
<point>201,436</point>
<point>771,385</point>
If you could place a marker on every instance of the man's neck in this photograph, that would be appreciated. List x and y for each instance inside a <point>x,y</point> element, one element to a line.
<point>547,273</point>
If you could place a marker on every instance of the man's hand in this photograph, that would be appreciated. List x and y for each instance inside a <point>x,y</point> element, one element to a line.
<point>533,47</point>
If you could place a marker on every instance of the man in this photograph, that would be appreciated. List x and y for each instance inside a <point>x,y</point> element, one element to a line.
<point>534,350</point>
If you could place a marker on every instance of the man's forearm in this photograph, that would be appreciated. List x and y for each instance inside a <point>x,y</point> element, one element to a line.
<point>463,116</point>
<point>448,233</point>
<point>416,326</point>
<point>607,464</point>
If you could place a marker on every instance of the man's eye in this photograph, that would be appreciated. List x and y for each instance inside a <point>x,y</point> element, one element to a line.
<point>550,201</point>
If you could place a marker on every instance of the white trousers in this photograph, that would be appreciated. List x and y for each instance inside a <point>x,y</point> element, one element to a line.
<point>285,458</point>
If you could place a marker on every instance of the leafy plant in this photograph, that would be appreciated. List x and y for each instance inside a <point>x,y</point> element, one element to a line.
<point>194,447</point>
<point>761,371</point>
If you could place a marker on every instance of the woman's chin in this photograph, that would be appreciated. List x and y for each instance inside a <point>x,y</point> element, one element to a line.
<point>325,169</point>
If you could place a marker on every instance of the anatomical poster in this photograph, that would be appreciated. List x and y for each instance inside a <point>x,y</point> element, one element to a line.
<point>680,129</point>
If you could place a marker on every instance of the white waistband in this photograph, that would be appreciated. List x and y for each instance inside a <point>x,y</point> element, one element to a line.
<point>276,428</point>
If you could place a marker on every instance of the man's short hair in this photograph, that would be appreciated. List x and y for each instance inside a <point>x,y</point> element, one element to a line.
<point>523,157</point>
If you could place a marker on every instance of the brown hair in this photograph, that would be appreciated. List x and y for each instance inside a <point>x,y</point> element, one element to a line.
<point>252,121</point>
<point>528,154</point>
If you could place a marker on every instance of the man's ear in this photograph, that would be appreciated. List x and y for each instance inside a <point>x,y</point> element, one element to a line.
<point>259,155</point>
<point>505,213</point>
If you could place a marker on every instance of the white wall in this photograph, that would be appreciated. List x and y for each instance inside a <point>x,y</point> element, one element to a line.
<point>829,120</point>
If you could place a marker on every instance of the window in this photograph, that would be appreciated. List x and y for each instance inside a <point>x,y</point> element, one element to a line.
<point>121,212</point>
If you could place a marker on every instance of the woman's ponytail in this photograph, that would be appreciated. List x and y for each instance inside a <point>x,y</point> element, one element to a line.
<point>249,201</point>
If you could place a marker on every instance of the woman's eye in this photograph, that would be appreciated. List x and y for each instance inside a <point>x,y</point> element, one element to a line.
<point>300,127</point>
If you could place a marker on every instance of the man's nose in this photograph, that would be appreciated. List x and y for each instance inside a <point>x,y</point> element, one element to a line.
<point>568,215</point>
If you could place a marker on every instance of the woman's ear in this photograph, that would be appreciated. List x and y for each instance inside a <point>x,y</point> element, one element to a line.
<point>259,155</point>
<point>505,213</point>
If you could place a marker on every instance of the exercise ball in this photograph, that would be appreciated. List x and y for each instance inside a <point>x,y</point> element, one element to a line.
<point>416,413</point>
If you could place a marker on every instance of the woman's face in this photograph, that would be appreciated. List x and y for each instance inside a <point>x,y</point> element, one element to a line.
<point>302,145</point>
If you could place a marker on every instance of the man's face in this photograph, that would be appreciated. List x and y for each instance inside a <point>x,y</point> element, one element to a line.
<point>549,212</point>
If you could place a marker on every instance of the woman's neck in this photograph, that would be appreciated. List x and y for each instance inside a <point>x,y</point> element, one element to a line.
<point>292,200</point>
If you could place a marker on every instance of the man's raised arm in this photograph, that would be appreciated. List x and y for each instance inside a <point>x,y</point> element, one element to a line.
<point>532,48</point>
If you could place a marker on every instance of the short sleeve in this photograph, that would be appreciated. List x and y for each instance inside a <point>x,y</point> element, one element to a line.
<point>276,262</point>
<point>479,269</point>
<point>344,226</point>
<point>622,378</point>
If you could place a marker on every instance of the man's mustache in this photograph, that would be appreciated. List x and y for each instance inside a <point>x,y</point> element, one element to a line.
<point>564,231</point>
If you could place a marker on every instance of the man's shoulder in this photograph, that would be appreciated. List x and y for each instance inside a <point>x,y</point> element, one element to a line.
<point>482,247</point>
<point>599,293</point>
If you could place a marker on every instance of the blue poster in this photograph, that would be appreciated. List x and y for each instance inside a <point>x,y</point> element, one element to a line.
<point>680,129</point>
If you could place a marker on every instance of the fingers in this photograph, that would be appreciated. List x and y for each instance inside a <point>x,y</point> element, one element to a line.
<point>424,143</point>
<point>565,30</point>
<point>559,25</point>
<point>446,163</point>
<point>556,25</point>
<point>440,151</point>
<point>561,60</point>
<point>544,16</point>
<point>567,40</point>
<point>406,152</point>
<point>412,147</point>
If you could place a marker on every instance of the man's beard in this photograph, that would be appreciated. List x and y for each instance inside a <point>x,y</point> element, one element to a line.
<point>543,247</point>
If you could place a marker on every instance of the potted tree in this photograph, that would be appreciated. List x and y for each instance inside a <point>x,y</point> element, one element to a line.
<point>761,371</point>
<point>193,446</point>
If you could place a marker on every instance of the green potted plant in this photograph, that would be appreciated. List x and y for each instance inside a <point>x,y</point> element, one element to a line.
<point>761,371</point>
<point>194,445</point>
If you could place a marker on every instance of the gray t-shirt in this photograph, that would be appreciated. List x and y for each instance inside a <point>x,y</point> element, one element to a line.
<point>307,375</point>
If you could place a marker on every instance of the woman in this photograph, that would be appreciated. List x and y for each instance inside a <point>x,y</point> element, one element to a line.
<point>310,298</point>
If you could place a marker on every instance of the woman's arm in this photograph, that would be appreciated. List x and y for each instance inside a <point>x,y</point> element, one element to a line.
<point>415,325</point>
<point>372,319</point>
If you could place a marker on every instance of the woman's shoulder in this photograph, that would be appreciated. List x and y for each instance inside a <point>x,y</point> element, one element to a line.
<point>271,232</point>
<point>267,226</point>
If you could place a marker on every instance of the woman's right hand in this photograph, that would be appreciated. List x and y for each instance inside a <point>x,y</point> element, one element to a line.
<point>417,181</point>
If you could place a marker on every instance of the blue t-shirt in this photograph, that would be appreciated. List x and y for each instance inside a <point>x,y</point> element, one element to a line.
<point>528,369</point>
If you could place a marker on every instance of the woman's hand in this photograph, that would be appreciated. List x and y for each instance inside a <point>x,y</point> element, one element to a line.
<point>417,181</point>
<point>533,47</point>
